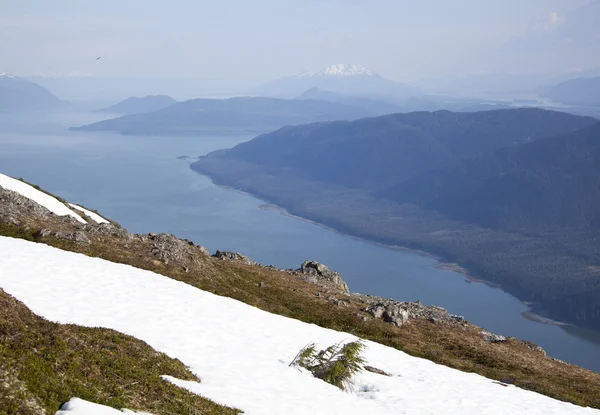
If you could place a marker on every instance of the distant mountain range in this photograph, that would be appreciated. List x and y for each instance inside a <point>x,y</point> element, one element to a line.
<point>135,105</point>
<point>376,107</point>
<point>580,91</point>
<point>17,94</point>
<point>353,80</point>
<point>234,115</point>
<point>373,153</point>
<point>512,195</point>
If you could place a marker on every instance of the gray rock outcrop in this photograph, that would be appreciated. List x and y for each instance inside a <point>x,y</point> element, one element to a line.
<point>235,257</point>
<point>317,273</point>
<point>401,312</point>
<point>492,338</point>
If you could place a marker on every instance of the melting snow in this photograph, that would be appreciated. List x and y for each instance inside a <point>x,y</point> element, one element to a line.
<point>240,352</point>
<point>92,215</point>
<point>78,406</point>
<point>49,202</point>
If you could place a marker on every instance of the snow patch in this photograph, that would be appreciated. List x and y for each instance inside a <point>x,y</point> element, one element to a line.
<point>5,75</point>
<point>341,69</point>
<point>78,406</point>
<point>51,203</point>
<point>92,215</point>
<point>241,353</point>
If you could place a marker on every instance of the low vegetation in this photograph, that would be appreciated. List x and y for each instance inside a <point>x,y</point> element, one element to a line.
<point>44,364</point>
<point>281,293</point>
<point>336,365</point>
<point>461,347</point>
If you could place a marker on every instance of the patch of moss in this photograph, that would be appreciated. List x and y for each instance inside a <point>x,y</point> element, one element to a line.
<point>45,364</point>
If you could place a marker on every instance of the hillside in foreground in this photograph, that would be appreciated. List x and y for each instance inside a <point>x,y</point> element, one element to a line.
<point>241,350</point>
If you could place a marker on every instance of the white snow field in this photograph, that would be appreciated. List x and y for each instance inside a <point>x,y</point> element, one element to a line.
<point>92,215</point>
<point>242,353</point>
<point>78,406</point>
<point>51,203</point>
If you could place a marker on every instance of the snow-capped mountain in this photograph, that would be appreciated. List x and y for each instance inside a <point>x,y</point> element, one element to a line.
<point>17,94</point>
<point>347,79</point>
<point>341,69</point>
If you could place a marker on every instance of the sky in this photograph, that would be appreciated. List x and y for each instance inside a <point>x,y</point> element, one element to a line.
<point>249,42</point>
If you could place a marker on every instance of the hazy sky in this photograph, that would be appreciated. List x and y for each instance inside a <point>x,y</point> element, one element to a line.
<point>249,41</point>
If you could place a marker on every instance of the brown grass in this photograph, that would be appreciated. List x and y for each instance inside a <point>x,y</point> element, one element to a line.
<point>458,347</point>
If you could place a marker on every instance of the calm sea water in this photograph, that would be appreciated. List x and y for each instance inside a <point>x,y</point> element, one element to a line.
<point>140,183</point>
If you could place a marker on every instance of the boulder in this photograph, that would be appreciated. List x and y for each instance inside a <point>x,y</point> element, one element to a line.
<point>492,338</point>
<point>318,273</point>
<point>391,312</point>
<point>234,257</point>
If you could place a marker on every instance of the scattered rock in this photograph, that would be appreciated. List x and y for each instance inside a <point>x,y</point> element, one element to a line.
<point>400,312</point>
<point>261,284</point>
<point>532,346</point>
<point>107,230</point>
<point>492,338</point>
<point>363,317</point>
<point>14,206</point>
<point>234,257</point>
<point>75,236</point>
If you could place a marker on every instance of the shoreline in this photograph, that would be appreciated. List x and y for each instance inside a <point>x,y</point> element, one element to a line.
<point>440,264</point>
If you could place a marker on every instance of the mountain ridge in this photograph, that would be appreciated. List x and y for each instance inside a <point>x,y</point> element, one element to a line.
<point>17,94</point>
<point>342,192</point>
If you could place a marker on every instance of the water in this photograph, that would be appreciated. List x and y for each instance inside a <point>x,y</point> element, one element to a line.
<point>140,183</point>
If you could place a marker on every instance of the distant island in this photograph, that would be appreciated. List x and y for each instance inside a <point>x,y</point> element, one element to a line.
<point>511,196</point>
<point>580,91</point>
<point>226,116</point>
<point>17,94</point>
<point>135,105</point>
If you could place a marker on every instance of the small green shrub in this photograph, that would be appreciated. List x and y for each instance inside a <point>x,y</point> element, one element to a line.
<point>336,365</point>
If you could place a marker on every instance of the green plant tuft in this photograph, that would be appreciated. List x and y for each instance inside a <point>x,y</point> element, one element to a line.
<point>336,365</point>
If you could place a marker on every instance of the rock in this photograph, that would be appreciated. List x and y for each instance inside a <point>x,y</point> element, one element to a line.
<point>261,284</point>
<point>399,312</point>
<point>396,315</point>
<point>107,230</point>
<point>532,346</point>
<point>492,338</point>
<point>234,257</point>
<point>392,312</point>
<point>75,236</point>
<point>14,208</point>
<point>318,273</point>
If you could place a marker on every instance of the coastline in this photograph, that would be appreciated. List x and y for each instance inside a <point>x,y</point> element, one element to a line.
<point>441,264</point>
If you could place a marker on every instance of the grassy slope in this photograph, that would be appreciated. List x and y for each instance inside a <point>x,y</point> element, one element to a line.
<point>461,348</point>
<point>44,364</point>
